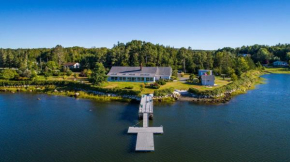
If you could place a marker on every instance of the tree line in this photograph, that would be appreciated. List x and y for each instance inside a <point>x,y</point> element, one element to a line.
<point>223,61</point>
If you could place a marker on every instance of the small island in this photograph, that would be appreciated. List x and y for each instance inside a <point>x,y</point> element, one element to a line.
<point>129,70</point>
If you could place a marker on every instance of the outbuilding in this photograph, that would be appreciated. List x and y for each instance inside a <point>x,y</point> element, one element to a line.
<point>207,80</point>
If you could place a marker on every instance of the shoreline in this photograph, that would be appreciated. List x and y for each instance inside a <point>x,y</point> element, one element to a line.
<point>107,97</point>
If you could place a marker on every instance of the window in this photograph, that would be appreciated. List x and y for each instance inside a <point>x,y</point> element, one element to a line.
<point>114,78</point>
<point>147,79</point>
<point>151,79</point>
<point>133,79</point>
<point>138,79</point>
<point>129,79</point>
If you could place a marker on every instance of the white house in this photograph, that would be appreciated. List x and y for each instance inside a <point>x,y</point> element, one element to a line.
<point>280,63</point>
<point>207,80</point>
<point>203,72</point>
<point>139,74</point>
<point>72,65</point>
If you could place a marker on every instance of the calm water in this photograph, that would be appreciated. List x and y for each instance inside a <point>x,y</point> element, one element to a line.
<point>252,127</point>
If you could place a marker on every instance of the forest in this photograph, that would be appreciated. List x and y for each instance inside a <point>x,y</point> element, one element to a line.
<point>226,61</point>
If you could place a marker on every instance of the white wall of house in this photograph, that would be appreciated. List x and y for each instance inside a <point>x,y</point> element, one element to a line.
<point>157,77</point>
<point>76,65</point>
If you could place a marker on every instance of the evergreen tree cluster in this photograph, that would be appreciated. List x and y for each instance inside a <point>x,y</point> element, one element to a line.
<point>223,61</point>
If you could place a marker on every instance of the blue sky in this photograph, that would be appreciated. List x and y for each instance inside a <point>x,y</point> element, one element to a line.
<point>200,24</point>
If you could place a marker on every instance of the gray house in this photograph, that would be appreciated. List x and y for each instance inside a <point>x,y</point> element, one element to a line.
<point>207,80</point>
<point>280,63</point>
<point>139,74</point>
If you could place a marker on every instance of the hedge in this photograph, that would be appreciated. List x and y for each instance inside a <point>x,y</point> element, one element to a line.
<point>72,85</point>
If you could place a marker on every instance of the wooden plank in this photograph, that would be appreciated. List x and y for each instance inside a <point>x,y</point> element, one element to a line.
<point>146,104</point>
<point>145,120</point>
<point>145,142</point>
<point>145,130</point>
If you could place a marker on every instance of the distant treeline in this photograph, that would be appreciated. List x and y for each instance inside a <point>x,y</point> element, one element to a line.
<point>222,61</point>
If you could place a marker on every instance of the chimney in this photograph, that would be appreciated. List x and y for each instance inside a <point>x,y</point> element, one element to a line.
<point>141,66</point>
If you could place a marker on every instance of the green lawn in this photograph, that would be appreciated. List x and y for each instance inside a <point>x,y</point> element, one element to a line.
<point>61,78</point>
<point>136,85</point>
<point>185,86</point>
<point>175,84</point>
<point>278,70</point>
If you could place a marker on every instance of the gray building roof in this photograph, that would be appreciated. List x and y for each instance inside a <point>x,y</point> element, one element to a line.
<point>135,71</point>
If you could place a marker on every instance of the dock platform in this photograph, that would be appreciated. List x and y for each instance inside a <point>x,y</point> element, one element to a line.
<point>145,139</point>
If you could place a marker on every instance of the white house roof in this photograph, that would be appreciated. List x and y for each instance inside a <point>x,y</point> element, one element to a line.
<point>136,71</point>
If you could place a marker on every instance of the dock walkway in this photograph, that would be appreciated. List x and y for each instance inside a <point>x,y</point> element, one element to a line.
<point>145,139</point>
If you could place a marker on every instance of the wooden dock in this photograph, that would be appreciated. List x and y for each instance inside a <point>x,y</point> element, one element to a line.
<point>145,139</point>
<point>146,106</point>
<point>145,120</point>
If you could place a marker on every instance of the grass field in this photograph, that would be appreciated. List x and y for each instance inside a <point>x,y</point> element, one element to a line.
<point>278,70</point>
<point>175,84</point>
<point>61,78</point>
<point>180,85</point>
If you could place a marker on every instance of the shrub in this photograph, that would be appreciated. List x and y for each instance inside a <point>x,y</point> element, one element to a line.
<point>69,72</point>
<point>173,77</point>
<point>153,86</point>
<point>142,87</point>
<point>129,87</point>
<point>8,74</point>
<point>47,74</point>
<point>33,74</point>
<point>192,77</point>
<point>56,73</point>
<point>161,81</point>
<point>163,92</point>
<point>86,73</point>
<point>174,73</point>
<point>234,77</point>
